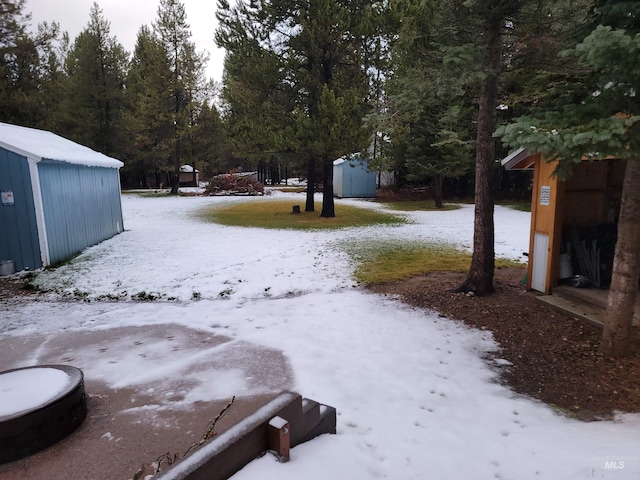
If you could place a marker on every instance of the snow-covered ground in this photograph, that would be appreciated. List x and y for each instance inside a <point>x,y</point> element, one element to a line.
<point>416,396</point>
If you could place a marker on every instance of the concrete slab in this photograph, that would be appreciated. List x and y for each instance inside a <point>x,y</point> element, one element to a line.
<point>135,418</point>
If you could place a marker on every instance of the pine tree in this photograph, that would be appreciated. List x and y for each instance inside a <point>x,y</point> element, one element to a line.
<point>493,18</point>
<point>94,98</point>
<point>449,58</point>
<point>311,52</point>
<point>330,84</point>
<point>257,102</point>
<point>428,105</point>
<point>210,146</point>
<point>29,68</point>
<point>148,115</point>
<point>186,79</point>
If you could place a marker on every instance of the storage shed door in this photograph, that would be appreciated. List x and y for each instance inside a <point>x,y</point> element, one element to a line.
<point>18,228</point>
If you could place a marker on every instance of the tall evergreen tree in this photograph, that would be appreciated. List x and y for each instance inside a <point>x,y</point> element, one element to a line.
<point>382,25</point>
<point>94,99</point>
<point>493,18</point>
<point>210,146</point>
<point>449,57</point>
<point>257,101</point>
<point>428,102</point>
<point>186,79</point>
<point>439,146</point>
<point>330,82</point>
<point>149,113</point>
<point>320,73</point>
<point>29,68</point>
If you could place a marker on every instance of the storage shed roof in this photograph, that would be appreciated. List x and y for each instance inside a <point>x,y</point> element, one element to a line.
<point>40,144</point>
<point>519,160</point>
<point>353,158</point>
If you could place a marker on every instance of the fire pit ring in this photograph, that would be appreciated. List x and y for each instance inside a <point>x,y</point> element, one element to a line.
<point>39,406</point>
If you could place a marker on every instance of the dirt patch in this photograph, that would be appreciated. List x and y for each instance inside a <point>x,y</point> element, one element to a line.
<point>16,286</point>
<point>555,356</point>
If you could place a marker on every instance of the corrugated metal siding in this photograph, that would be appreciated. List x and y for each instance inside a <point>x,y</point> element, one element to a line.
<point>18,229</point>
<point>81,207</point>
<point>355,180</point>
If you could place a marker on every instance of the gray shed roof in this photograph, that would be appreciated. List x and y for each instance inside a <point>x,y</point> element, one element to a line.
<point>518,160</point>
<point>40,144</point>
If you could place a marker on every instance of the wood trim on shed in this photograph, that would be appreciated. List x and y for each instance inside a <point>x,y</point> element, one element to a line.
<point>39,207</point>
<point>546,218</point>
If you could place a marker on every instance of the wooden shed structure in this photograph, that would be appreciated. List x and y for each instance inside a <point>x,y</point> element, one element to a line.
<point>58,197</point>
<point>352,178</point>
<point>573,221</point>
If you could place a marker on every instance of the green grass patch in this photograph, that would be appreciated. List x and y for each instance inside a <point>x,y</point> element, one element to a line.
<point>521,207</point>
<point>148,193</point>
<point>417,205</point>
<point>385,262</point>
<point>277,214</point>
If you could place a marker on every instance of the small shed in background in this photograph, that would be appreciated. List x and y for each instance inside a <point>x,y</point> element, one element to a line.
<point>189,177</point>
<point>352,178</point>
<point>58,197</point>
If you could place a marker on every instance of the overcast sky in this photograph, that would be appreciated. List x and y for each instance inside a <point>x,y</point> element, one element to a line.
<point>127,16</point>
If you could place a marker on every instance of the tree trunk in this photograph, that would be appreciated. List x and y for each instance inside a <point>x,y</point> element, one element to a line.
<point>311,183</point>
<point>437,190</point>
<point>480,277</point>
<point>328,207</point>
<point>175,182</point>
<point>616,336</point>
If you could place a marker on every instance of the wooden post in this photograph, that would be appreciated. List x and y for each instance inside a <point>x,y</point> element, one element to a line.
<point>279,435</point>
<point>296,209</point>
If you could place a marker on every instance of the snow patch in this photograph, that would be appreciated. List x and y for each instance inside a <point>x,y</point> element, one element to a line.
<point>29,389</point>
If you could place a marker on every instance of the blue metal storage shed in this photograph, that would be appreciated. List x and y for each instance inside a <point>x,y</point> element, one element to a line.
<point>58,197</point>
<point>351,178</point>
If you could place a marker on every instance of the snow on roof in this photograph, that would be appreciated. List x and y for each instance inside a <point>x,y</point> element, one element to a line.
<point>353,158</point>
<point>187,169</point>
<point>40,144</point>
